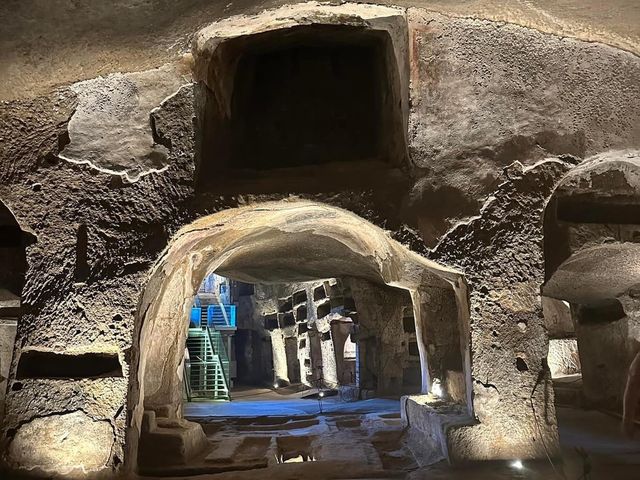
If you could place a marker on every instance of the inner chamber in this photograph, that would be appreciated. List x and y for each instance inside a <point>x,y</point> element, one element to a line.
<point>301,97</point>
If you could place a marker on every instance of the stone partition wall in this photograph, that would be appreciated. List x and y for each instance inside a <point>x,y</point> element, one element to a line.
<point>501,253</point>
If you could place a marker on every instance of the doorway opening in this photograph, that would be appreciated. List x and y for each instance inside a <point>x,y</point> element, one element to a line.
<point>298,340</point>
<point>591,299</point>
<point>314,277</point>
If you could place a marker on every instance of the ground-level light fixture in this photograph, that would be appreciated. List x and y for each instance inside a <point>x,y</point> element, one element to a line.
<point>517,464</point>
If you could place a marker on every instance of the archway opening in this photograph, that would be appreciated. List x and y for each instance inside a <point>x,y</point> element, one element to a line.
<point>321,275</point>
<point>590,296</point>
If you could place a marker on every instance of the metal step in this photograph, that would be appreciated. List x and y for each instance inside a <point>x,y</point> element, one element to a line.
<point>209,365</point>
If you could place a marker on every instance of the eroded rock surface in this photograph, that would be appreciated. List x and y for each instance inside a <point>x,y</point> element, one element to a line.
<point>63,443</point>
<point>111,129</point>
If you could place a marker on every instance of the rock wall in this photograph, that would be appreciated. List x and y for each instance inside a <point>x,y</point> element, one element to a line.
<point>483,95</point>
<point>500,252</point>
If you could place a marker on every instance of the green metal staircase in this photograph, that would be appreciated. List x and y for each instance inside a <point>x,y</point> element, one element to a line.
<point>208,374</point>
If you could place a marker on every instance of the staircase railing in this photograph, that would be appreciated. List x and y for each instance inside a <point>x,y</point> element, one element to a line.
<point>208,374</point>
<point>220,349</point>
<point>219,316</point>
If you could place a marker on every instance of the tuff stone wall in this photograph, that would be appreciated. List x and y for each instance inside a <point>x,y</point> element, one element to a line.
<point>478,104</point>
<point>501,253</point>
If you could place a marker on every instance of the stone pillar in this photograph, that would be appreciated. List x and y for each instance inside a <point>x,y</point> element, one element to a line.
<point>380,336</point>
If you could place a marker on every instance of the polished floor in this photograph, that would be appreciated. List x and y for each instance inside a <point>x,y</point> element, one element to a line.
<point>251,402</point>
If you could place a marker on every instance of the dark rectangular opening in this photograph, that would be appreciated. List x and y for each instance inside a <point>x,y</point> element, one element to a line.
<point>245,289</point>
<point>298,99</point>
<point>306,104</point>
<point>319,293</point>
<point>42,364</point>
<point>326,336</point>
<point>408,324</point>
<point>413,349</point>
<point>81,272</point>
<point>303,343</point>
<point>271,321</point>
<point>324,309</point>
<point>285,304</point>
<point>303,328</point>
<point>605,312</point>
<point>582,209</point>
<point>286,319</point>
<point>301,313</point>
<point>300,297</point>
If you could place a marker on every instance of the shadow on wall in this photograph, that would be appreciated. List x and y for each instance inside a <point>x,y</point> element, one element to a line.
<point>13,261</point>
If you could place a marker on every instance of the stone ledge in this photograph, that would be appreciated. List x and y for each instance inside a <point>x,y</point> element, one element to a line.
<point>429,422</point>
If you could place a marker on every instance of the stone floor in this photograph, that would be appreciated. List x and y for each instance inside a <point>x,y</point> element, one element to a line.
<point>265,434</point>
<point>259,402</point>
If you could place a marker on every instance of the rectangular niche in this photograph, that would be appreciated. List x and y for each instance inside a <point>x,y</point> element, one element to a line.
<point>271,321</point>
<point>408,320</point>
<point>64,365</point>
<point>286,319</point>
<point>303,328</point>
<point>319,293</point>
<point>300,297</point>
<point>255,112</point>
<point>324,309</point>
<point>285,304</point>
<point>301,313</point>
<point>587,209</point>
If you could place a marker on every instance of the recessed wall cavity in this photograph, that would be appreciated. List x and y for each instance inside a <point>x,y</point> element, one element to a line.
<point>304,96</point>
<point>46,364</point>
<point>14,263</point>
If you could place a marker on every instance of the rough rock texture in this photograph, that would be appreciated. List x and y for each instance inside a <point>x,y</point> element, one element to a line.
<point>382,343</point>
<point>500,253</point>
<point>111,129</point>
<point>82,286</point>
<point>98,236</point>
<point>592,235</point>
<point>44,45</point>
<point>485,94</point>
<point>58,443</point>
<point>563,357</point>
